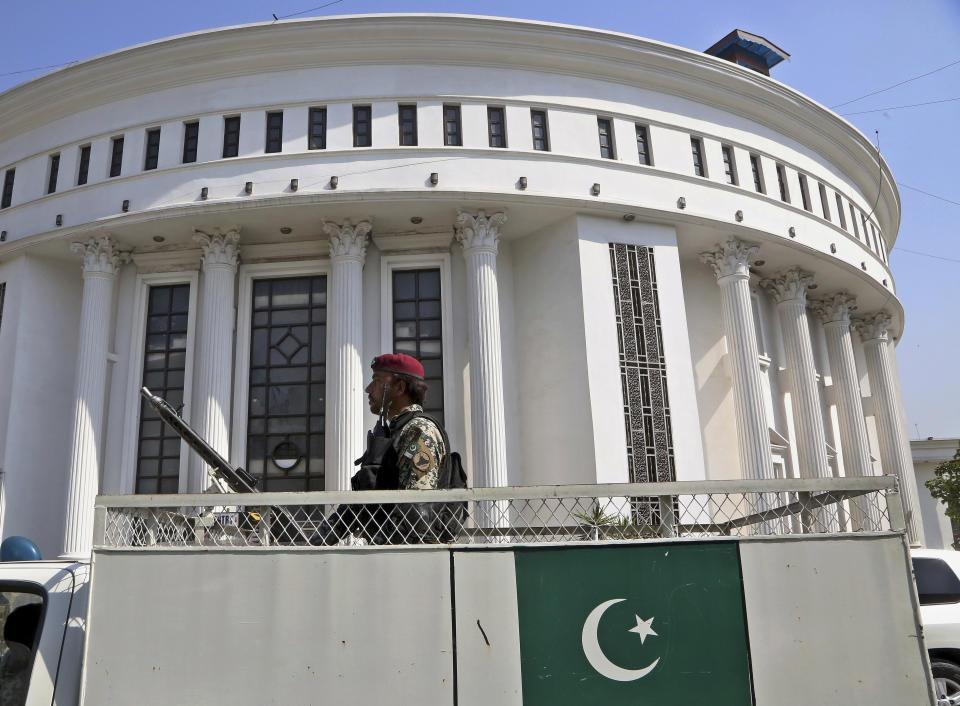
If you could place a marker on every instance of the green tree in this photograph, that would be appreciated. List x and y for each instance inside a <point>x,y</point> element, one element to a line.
<point>945,486</point>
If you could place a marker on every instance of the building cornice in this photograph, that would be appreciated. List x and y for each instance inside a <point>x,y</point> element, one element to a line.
<point>450,40</point>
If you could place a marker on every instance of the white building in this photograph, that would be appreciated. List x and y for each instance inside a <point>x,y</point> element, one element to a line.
<point>929,453</point>
<point>565,224</point>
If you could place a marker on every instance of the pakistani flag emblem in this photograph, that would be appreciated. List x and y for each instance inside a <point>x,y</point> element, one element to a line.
<point>644,624</point>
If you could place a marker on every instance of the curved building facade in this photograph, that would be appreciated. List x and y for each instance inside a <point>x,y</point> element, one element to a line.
<point>618,259</point>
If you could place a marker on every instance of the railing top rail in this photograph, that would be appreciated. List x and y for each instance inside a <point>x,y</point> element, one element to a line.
<point>815,485</point>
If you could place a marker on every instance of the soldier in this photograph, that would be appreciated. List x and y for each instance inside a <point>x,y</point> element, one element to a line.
<point>405,450</point>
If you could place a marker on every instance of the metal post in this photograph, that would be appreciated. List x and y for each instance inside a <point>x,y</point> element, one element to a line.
<point>806,514</point>
<point>668,518</point>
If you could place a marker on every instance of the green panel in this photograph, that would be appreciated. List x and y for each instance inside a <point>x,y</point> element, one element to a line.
<point>693,593</point>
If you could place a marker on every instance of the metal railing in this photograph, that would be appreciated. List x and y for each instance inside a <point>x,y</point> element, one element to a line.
<point>535,514</point>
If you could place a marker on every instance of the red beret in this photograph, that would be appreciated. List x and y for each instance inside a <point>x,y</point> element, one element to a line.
<point>398,363</point>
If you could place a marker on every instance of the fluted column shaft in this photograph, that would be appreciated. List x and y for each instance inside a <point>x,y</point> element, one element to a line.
<point>790,290</point>
<point>345,373</point>
<point>731,265</point>
<point>479,236</point>
<point>101,261</point>
<point>213,387</point>
<point>895,457</point>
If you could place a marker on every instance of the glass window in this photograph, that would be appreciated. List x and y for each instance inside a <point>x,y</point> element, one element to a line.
<point>361,126</point>
<point>153,149</point>
<point>936,581</point>
<point>696,147</point>
<point>84,165</point>
<point>116,156</point>
<point>605,132</point>
<point>317,127</point>
<point>757,173</point>
<point>643,144</point>
<point>407,115</point>
<point>843,218</point>
<point>164,365</point>
<point>54,173</point>
<point>805,192</point>
<point>191,138</point>
<point>7,198</point>
<point>782,183</point>
<point>231,136</point>
<point>287,403</point>
<point>451,126</point>
<point>824,204</point>
<point>275,131</point>
<point>496,127</point>
<point>21,621</point>
<point>729,167</point>
<point>418,330</point>
<point>538,122</point>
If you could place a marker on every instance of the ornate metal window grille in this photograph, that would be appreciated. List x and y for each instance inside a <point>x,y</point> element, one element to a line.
<point>418,328</point>
<point>286,413</point>
<point>164,362</point>
<point>643,370</point>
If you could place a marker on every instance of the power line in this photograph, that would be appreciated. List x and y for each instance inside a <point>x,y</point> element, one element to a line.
<point>926,254</point>
<point>927,193</point>
<point>303,12</point>
<point>898,107</point>
<point>947,66</point>
<point>37,68</point>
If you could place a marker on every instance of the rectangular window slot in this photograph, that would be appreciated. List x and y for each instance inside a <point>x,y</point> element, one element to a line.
<point>54,173</point>
<point>840,214</point>
<point>274,132</point>
<point>782,182</point>
<point>7,198</point>
<point>83,168</point>
<point>152,155</point>
<point>231,136</point>
<point>853,220</point>
<point>191,139</point>
<point>605,133</point>
<point>696,149</point>
<point>451,126</point>
<point>407,115</point>
<point>805,192</point>
<point>538,123</point>
<point>643,144</point>
<point>317,129</point>
<point>361,126</point>
<point>824,203</point>
<point>496,127</point>
<point>757,174</point>
<point>116,156</point>
<point>729,166</point>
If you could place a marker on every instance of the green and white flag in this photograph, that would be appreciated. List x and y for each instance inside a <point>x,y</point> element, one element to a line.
<point>645,624</point>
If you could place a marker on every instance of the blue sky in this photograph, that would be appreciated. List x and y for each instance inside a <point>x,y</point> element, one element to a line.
<point>840,50</point>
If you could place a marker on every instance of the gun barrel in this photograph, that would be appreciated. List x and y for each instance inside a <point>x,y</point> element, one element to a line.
<point>239,480</point>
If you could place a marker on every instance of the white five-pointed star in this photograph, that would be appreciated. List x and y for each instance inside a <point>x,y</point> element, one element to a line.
<point>643,629</point>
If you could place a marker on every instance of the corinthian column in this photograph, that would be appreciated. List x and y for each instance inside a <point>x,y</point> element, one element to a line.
<point>479,236</point>
<point>101,260</point>
<point>835,311</point>
<point>892,436</point>
<point>789,288</point>
<point>215,345</point>
<point>731,264</point>
<point>348,247</point>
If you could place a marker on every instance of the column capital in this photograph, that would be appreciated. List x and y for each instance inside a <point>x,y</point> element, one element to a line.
<point>732,257</point>
<point>790,284</point>
<point>835,308</point>
<point>348,241</point>
<point>480,232</point>
<point>220,246</point>
<point>101,258</point>
<point>873,327</point>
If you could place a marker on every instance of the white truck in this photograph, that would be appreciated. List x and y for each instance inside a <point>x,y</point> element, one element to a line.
<point>778,593</point>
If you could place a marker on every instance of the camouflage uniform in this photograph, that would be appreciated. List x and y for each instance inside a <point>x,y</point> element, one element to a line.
<point>420,452</point>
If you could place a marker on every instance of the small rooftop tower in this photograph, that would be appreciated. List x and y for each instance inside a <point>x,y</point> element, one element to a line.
<point>750,50</point>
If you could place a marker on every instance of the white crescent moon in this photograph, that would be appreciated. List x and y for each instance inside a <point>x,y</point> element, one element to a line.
<point>595,656</point>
